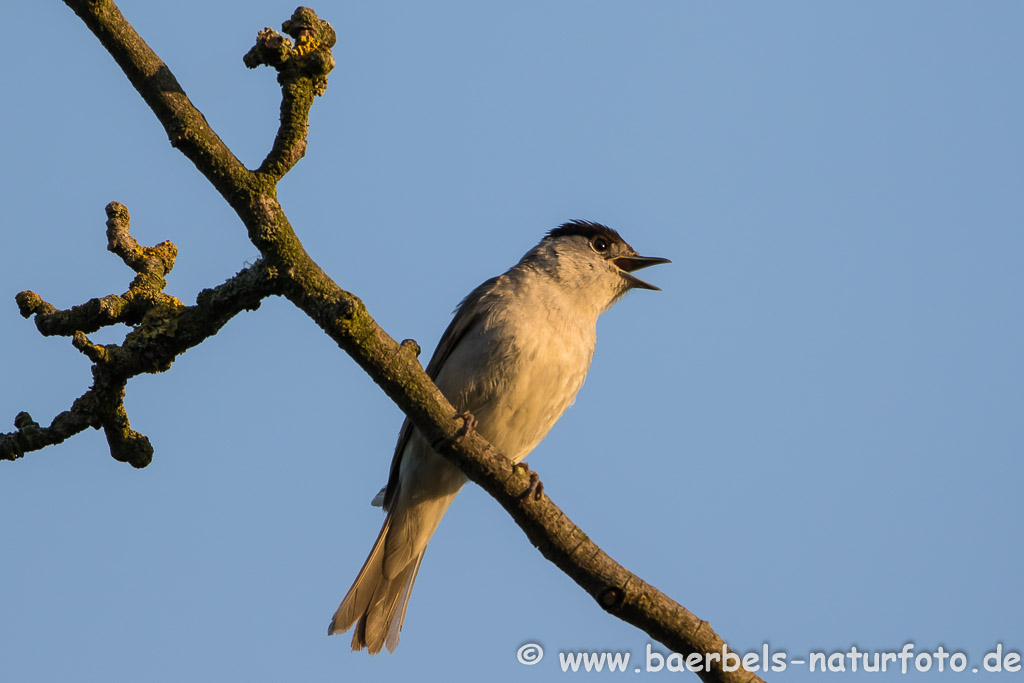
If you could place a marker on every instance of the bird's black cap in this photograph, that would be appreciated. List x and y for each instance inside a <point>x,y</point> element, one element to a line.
<point>588,229</point>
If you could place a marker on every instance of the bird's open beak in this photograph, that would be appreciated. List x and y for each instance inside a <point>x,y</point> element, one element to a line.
<point>627,264</point>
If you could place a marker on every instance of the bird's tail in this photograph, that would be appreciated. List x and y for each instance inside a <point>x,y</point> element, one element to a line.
<point>377,603</point>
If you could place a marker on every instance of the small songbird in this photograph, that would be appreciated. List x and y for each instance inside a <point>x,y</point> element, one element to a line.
<point>514,356</point>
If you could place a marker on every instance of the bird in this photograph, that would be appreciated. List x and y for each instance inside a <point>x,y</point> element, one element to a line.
<point>514,356</point>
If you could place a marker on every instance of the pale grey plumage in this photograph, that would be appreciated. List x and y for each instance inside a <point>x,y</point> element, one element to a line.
<point>515,355</point>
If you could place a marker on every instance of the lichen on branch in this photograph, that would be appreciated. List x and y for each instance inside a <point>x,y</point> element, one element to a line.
<point>302,69</point>
<point>162,328</point>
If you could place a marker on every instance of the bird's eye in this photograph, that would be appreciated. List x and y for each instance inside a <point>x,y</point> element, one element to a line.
<point>600,244</point>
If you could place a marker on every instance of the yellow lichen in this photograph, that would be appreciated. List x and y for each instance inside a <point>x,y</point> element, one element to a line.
<point>306,45</point>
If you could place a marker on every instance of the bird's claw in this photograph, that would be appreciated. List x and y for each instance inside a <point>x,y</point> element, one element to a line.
<point>468,425</point>
<point>535,488</point>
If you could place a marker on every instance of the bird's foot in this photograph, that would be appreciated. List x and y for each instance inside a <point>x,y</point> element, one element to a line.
<point>535,487</point>
<point>468,425</point>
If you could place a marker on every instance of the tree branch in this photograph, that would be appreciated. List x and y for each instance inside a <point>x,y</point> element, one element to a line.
<point>302,73</point>
<point>165,329</point>
<point>186,127</point>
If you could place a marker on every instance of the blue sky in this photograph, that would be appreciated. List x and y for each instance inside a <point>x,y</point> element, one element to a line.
<point>811,438</point>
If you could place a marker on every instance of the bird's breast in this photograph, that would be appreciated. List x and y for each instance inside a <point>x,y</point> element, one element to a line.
<point>517,374</point>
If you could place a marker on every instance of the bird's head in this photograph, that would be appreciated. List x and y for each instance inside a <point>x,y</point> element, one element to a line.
<point>592,261</point>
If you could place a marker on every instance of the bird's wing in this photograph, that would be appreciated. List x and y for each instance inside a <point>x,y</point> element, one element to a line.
<point>468,316</point>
